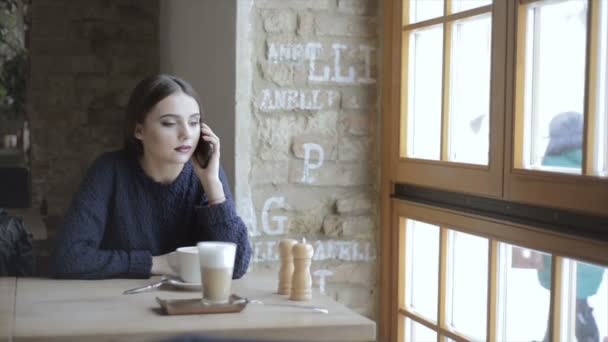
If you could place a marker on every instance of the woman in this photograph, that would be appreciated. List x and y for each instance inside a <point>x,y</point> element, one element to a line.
<point>137,205</point>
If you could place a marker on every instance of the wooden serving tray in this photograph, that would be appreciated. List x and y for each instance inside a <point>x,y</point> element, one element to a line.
<point>195,306</point>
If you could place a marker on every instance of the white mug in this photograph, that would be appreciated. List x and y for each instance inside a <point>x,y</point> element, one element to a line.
<point>185,262</point>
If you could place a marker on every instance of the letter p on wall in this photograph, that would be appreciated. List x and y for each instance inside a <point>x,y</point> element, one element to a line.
<point>308,165</point>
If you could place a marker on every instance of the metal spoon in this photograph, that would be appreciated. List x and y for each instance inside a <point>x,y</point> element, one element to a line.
<point>164,279</point>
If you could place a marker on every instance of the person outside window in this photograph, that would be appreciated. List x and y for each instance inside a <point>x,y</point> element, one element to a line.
<point>565,150</point>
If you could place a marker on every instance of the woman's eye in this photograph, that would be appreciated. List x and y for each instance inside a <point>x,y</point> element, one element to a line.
<point>194,123</point>
<point>167,124</point>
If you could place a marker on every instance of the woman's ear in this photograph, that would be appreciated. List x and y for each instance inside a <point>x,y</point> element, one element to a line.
<point>138,133</point>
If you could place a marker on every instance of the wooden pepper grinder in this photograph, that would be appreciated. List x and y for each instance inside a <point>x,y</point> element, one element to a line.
<point>286,271</point>
<point>301,283</point>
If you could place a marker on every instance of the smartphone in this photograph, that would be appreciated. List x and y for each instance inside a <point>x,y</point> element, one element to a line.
<point>203,152</point>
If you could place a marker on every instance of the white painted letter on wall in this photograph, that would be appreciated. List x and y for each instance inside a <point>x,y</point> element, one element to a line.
<point>279,228</point>
<point>312,50</point>
<point>308,148</point>
<point>322,274</point>
<point>345,250</point>
<point>247,213</point>
<point>350,78</point>
<point>295,99</point>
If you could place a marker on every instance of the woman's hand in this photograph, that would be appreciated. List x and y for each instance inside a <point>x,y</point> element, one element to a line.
<point>209,176</point>
<point>161,265</point>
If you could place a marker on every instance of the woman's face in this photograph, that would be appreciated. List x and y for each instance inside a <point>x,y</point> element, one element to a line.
<point>171,129</point>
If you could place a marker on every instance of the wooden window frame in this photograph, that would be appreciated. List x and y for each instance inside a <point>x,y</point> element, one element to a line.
<point>443,174</point>
<point>496,231</point>
<point>584,193</point>
<point>500,179</point>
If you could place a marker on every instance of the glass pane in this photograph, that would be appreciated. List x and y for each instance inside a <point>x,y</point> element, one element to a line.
<point>416,332</point>
<point>470,90</point>
<point>422,268</point>
<point>424,9</point>
<point>424,93</point>
<point>555,82</point>
<point>463,5</point>
<point>467,284</point>
<point>601,150</point>
<point>585,302</point>
<point>523,296</point>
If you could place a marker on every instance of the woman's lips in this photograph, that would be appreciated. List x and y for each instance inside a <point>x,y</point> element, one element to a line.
<point>184,148</point>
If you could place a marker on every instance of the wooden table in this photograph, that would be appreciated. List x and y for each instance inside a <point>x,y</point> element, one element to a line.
<point>47,309</point>
<point>7,307</point>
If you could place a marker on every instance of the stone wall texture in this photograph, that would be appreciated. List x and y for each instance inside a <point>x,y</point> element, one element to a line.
<point>314,165</point>
<point>86,56</point>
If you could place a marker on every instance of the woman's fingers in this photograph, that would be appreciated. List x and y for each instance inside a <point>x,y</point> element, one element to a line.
<point>207,130</point>
<point>215,141</point>
<point>208,135</point>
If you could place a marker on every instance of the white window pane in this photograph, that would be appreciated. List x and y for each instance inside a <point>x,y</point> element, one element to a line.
<point>416,332</point>
<point>555,83</point>
<point>470,91</point>
<point>467,284</point>
<point>422,268</point>
<point>424,93</point>
<point>463,5</point>
<point>425,9</point>
<point>601,149</point>
<point>524,280</point>
<point>585,302</point>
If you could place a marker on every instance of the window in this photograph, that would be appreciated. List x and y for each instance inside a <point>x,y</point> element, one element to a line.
<point>506,101</point>
<point>523,302</point>
<point>584,301</point>
<point>559,145</point>
<point>497,107</point>
<point>446,85</point>
<point>549,88</point>
<point>472,280</point>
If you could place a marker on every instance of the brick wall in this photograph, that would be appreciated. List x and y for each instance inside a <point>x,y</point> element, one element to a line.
<point>86,56</point>
<point>314,164</point>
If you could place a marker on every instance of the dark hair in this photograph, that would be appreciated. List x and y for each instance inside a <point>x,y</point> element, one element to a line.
<point>144,97</point>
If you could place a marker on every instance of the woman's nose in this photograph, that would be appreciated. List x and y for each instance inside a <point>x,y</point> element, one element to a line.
<point>185,131</point>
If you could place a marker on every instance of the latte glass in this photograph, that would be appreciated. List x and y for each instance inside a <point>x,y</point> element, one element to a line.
<point>217,263</point>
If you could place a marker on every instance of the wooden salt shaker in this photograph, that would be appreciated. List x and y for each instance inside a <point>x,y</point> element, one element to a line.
<point>301,283</point>
<point>286,271</point>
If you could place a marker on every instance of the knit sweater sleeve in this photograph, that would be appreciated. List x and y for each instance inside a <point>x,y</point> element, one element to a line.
<point>77,251</point>
<point>220,222</point>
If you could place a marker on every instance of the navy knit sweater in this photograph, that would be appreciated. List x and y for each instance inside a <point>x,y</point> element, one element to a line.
<point>121,217</point>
